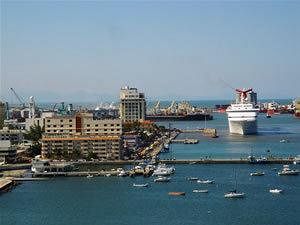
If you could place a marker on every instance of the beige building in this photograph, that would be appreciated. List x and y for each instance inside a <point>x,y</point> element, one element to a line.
<point>132,105</point>
<point>83,123</point>
<point>7,151</point>
<point>82,133</point>
<point>14,136</point>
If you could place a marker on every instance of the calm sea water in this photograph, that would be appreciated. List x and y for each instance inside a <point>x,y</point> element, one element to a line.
<point>266,142</point>
<point>114,201</point>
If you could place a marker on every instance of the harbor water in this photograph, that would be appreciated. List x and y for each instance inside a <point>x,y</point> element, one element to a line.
<point>114,200</point>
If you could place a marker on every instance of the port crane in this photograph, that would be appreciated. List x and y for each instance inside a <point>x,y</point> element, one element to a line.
<point>22,103</point>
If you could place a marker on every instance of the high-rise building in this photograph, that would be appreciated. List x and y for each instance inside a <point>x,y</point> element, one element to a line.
<point>132,105</point>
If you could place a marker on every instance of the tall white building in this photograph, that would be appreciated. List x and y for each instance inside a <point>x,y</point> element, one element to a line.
<point>132,105</point>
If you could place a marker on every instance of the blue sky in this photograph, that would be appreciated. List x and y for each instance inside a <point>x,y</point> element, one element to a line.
<point>85,51</point>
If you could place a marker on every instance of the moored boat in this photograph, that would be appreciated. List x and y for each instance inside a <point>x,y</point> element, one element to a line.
<point>162,179</point>
<point>275,191</point>
<point>192,178</point>
<point>140,185</point>
<point>257,174</point>
<point>176,193</point>
<point>287,171</point>
<point>201,191</point>
<point>206,181</point>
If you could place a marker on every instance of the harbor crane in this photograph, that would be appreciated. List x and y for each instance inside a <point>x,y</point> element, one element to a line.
<point>22,103</point>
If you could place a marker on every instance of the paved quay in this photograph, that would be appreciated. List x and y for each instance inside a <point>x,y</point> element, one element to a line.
<point>224,161</point>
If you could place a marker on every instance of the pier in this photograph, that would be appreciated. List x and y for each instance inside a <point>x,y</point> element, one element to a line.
<point>185,141</point>
<point>211,132</point>
<point>225,161</point>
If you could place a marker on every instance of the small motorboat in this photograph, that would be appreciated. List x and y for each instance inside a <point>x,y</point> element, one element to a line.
<point>257,174</point>
<point>179,193</point>
<point>140,185</point>
<point>284,141</point>
<point>205,181</point>
<point>276,191</point>
<point>89,176</point>
<point>234,194</point>
<point>192,178</point>
<point>200,191</point>
<point>108,175</point>
<point>162,179</point>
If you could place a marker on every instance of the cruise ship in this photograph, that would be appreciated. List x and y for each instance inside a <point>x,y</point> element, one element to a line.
<point>242,114</point>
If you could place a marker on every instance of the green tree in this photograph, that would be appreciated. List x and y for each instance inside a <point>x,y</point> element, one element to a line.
<point>34,134</point>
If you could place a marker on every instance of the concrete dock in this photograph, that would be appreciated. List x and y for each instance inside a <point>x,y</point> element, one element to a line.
<point>224,161</point>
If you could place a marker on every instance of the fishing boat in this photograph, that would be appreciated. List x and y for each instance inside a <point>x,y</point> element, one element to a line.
<point>206,181</point>
<point>200,191</point>
<point>140,185</point>
<point>287,171</point>
<point>162,179</point>
<point>257,174</point>
<point>234,193</point>
<point>276,191</point>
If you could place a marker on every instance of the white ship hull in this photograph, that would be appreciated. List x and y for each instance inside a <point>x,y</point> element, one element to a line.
<point>243,127</point>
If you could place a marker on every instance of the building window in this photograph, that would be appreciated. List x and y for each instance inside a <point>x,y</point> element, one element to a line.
<point>88,125</point>
<point>70,125</point>
<point>96,130</point>
<point>54,125</point>
<point>70,121</point>
<point>105,125</point>
<point>61,121</point>
<point>61,125</point>
<point>88,130</point>
<point>96,125</point>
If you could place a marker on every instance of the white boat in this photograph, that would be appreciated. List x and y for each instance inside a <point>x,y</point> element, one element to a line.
<point>122,174</point>
<point>162,179</point>
<point>234,194</point>
<point>242,115</point>
<point>296,160</point>
<point>287,171</point>
<point>163,170</point>
<point>206,181</point>
<point>89,176</point>
<point>200,191</point>
<point>166,146</point>
<point>283,141</point>
<point>108,175</point>
<point>276,191</point>
<point>192,178</point>
<point>257,174</point>
<point>140,185</point>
